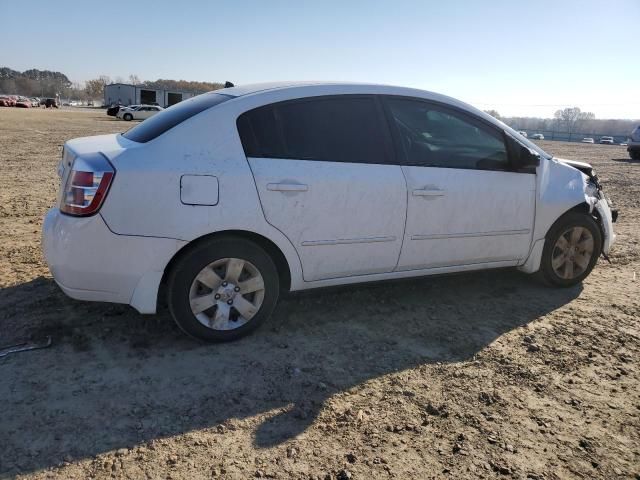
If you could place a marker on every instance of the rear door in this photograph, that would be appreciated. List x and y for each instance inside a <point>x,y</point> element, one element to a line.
<point>466,203</point>
<point>142,113</point>
<point>324,172</point>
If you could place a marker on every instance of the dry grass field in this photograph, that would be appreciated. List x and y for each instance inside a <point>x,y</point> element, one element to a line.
<point>485,375</point>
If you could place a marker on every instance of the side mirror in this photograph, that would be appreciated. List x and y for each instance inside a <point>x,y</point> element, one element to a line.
<point>522,157</point>
<point>528,157</point>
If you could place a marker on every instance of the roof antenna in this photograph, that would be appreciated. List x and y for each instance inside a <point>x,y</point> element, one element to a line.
<point>228,84</point>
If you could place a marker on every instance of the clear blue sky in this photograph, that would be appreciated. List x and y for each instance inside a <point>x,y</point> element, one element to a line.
<point>519,57</point>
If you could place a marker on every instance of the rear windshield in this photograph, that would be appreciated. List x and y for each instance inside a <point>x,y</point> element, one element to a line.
<point>167,119</point>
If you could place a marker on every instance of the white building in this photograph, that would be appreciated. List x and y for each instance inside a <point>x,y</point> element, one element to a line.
<point>126,94</point>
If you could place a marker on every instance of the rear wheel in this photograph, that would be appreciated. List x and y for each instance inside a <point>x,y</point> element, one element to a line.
<point>634,154</point>
<point>223,289</point>
<point>128,117</point>
<point>571,250</point>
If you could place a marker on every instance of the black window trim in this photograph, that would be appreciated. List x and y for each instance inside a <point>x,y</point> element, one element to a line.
<point>399,151</point>
<point>389,157</point>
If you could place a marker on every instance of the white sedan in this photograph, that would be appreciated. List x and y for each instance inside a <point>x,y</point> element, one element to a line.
<point>138,112</point>
<point>235,196</point>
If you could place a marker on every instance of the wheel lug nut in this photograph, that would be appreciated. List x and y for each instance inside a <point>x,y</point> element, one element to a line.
<point>217,296</point>
<point>237,289</point>
<point>224,284</point>
<point>229,302</point>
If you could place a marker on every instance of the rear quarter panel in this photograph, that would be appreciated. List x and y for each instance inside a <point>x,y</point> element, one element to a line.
<point>145,196</point>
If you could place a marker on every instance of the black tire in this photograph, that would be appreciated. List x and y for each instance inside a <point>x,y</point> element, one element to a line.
<point>562,225</point>
<point>128,117</point>
<point>634,154</point>
<point>190,265</point>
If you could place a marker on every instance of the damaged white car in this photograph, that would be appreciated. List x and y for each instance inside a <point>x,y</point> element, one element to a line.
<point>233,197</point>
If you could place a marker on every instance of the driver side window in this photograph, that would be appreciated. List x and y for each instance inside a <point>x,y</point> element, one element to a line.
<point>434,136</point>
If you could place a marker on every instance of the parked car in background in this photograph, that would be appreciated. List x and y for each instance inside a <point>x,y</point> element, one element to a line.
<point>523,133</point>
<point>138,112</point>
<point>23,102</point>
<point>537,136</point>
<point>606,140</point>
<point>633,145</point>
<point>587,140</point>
<point>35,102</point>
<point>237,195</point>
<point>51,103</point>
<point>113,110</point>
<point>5,101</point>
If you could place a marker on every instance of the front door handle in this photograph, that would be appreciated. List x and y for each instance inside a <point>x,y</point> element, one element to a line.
<point>287,187</point>
<point>423,192</point>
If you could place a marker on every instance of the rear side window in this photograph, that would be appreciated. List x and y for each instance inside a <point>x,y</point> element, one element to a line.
<point>167,119</point>
<point>435,136</point>
<point>338,129</point>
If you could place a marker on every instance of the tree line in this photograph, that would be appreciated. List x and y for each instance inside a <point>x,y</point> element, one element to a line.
<point>35,83</point>
<point>570,120</point>
<point>94,88</point>
<point>46,83</point>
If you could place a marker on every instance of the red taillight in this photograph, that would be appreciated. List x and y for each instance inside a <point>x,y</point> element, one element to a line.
<point>87,186</point>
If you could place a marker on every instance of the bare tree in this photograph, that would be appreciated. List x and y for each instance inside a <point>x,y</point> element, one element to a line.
<point>572,118</point>
<point>493,113</point>
<point>95,88</point>
<point>134,79</point>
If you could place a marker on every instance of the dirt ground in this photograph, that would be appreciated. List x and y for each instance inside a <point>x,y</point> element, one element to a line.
<point>485,375</point>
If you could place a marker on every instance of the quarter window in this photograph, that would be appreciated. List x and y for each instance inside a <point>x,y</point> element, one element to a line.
<point>435,136</point>
<point>339,129</point>
<point>158,124</point>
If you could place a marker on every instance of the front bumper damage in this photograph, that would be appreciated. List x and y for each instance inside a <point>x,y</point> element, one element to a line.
<point>601,208</point>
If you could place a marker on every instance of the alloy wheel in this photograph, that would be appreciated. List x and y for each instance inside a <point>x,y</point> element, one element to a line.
<point>572,253</point>
<point>226,294</point>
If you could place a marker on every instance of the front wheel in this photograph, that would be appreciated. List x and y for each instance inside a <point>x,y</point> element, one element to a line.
<point>128,117</point>
<point>634,154</point>
<point>223,289</point>
<point>571,250</point>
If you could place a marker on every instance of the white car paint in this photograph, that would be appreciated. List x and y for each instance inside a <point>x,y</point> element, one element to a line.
<point>334,223</point>
<point>139,112</point>
<point>459,217</point>
<point>330,210</point>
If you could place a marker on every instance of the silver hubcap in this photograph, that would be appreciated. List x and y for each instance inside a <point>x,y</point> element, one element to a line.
<point>226,294</point>
<point>572,253</point>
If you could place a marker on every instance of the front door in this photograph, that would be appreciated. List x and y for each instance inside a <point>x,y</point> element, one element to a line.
<point>324,179</point>
<point>466,204</point>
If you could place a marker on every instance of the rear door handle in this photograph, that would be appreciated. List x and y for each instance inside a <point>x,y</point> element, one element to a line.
<point>287,187</point>
<point>420,192</point>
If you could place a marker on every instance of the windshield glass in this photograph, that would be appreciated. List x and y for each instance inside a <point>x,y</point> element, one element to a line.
<point>165,120</point>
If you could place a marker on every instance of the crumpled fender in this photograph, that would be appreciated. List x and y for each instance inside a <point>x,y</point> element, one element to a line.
<point>561,187</point>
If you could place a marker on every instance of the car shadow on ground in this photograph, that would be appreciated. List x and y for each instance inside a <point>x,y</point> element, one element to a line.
<point>115,379</point>
<point>626,160</point>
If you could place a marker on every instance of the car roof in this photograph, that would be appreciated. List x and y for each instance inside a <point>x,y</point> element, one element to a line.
<point>317,88</point>
<point>312,88</point>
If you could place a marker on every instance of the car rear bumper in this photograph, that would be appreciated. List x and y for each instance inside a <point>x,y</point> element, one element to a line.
<point>89,262</point>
